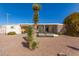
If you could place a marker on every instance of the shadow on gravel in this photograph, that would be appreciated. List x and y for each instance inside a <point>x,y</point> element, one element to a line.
<point>74,48</point>
<point>25,44</point>
<point>25,38</point>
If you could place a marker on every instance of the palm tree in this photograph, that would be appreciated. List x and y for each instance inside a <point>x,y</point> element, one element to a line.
<point>36,8</point>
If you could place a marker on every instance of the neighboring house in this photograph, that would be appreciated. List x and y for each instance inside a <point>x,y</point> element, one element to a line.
<point>50,28</point>
<point>13,28</point>
<point>42,28</point>
<point>46,27</point>
<point>4,29</point>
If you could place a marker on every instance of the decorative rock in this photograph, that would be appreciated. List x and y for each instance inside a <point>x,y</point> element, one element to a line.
<point>61,54</point>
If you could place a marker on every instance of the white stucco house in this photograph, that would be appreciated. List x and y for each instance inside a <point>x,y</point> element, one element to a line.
<point>45,27</point>
<point>4,29</point>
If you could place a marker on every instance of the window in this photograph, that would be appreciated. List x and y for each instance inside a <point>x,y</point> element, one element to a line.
<point>46,28</point>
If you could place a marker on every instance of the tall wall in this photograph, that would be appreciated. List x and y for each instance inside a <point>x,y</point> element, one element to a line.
<point>52,28</point>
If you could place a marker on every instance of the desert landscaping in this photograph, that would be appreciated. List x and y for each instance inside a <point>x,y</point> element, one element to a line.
<point>40,39</point>
<point>14,45</point>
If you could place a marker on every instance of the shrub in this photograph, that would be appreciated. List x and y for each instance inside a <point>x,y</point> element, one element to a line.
<point>60,33</point>
<point>12,33</point>
<point>72,24</point>
<point>25,29</point>
<point>40,29</point>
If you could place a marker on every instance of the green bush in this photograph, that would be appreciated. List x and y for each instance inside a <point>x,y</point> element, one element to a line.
<point>25,28</point>
<point>40,29</point>
<point>60,33</point>
<point>12,33</point>
<point>72,24</point>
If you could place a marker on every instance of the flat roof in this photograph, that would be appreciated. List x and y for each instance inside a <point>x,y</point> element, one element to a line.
<point>43,23</point>
<point>33,23</point>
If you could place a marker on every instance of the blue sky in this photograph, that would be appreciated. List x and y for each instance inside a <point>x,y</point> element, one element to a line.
<point>23,13</point>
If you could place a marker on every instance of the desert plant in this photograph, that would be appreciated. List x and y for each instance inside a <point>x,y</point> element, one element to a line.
<point>24,28</point>
<point>31,41</point>
<point>72,24</point>
<point>36,8</point>
<point>34,45</point>
<point>30,36</point>
<point>30,33</point>
<point>40,29</point>
<point>12,33</point>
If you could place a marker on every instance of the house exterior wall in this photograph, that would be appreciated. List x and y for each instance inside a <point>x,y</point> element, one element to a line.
<point>60,28</point>
<point>52,28</point>
<point>16,28</point>
<point>2,29</point>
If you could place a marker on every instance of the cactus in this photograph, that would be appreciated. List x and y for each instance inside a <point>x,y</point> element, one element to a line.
<point>31,39</point>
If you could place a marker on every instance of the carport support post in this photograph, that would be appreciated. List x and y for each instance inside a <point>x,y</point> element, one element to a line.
<point>44,28</point>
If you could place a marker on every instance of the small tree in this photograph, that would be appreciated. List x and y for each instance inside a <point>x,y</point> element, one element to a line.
<point>72,24</point>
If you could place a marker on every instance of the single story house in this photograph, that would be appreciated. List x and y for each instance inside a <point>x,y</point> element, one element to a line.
<point>42,28</point>
<point>4,29</point>
<point>45,27</point>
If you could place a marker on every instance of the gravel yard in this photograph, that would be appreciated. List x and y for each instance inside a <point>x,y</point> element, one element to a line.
<point>48,46</point>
